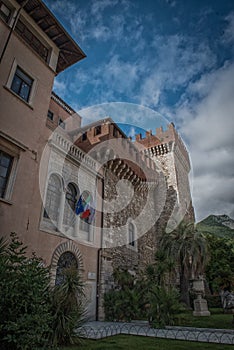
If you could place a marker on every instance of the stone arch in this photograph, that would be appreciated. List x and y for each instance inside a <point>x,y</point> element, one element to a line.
<point>68,246</point>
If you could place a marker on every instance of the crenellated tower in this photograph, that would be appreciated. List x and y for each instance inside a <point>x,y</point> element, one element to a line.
<point>170,155</point>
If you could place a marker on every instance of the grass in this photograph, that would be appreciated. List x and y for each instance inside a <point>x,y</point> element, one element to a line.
<point>128,342</point>
<point>217,319</point>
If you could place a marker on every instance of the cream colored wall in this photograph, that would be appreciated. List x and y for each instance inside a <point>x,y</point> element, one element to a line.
<point>26,123</point>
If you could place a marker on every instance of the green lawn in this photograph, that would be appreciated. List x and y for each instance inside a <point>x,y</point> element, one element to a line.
<point>128,342</point>
<point>217,319</point>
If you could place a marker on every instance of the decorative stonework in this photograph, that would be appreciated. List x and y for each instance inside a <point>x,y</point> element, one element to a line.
<point>67,246</point>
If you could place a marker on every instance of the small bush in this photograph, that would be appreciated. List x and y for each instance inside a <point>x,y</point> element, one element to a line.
<point>33,315</point>
<point>24,299</point>
<point>67,308</point>
<point>213,301</point>
<point>164,306</point>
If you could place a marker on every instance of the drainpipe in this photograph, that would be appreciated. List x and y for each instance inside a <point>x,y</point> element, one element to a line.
<point>99,257</point>
<point>12,28</point>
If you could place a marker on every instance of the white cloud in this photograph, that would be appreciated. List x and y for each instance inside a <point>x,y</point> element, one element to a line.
<point>208,128</point>
<point>177,61</point>
<point>60,86</point>
<point>228,36</point>
<point>132,132</point>
<point>99,6</point>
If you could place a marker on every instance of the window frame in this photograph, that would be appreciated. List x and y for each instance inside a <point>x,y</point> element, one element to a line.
<point>115,132</point>
<point>71,197</point>
<point>131,236</point>
<point>13,152</point>
<point>2,14</point>
<point>84,136</point>
<point>50,211</point>
<point>36,43</point>
<point>22,77</point>
<point>51,118</point>
<point>61,123</point>
<point>10,80</point>
<point>97,130</point>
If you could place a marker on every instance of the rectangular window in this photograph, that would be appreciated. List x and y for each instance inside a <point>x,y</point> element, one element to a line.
<point>32,40</point>
<point>22,84</point>
<point>6,162</point>
<point>84,136</point>
<point>5,12</point>
<point>115,132</point>
<point>61,123</point>
<point>50,115</point>
<point>98,130</point>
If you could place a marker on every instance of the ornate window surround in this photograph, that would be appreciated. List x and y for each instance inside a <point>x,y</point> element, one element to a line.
<point>68,246</point>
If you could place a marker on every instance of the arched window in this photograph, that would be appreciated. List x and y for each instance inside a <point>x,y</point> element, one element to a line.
<point>66,260</point>
<point>53,197</point>
<point>70,204</point>
<point>84,220</point>
<point>131,234</point>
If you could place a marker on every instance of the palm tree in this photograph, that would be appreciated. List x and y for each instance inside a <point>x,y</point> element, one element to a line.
<point>188,248</point>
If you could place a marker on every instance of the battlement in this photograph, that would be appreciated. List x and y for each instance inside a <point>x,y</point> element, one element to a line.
<point>162,141</point>
<point>160,136</point>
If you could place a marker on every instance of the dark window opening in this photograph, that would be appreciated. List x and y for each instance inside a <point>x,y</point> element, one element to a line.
<point>5,12</point>
<point>84,136</point>
<point>61,123</point>
<point>5,168</point>
<point>50,115</point>
<point>22,84</point>
<point>131,233</point>
<point>115,132</point>
<point>98,130</point>
<point>67,260</point>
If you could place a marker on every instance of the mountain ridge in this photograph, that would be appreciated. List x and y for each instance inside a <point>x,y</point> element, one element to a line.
<point>218,225</point>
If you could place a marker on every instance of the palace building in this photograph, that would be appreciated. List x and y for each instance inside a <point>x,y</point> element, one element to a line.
<point>78,194</point>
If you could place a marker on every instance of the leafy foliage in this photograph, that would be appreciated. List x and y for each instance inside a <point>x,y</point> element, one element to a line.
<point>164,305</point>
<point>67,308</point>
<point>220,269</point>
<point>146,297</point>
<point>24,299</point>
<point>123,303</point>
<point>33,315</point>
<point>188,248</point>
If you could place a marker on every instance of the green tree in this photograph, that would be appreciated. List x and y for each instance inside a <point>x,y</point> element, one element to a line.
<point>220,269</point>
<point>161,272</point>
<point>188,248</point>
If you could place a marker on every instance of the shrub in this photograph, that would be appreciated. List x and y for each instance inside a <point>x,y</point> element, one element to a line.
<point>24,299</point>
<point>164,306</point>
<point>67,308</point>
<point>214,301</point>
<point>122,305</point>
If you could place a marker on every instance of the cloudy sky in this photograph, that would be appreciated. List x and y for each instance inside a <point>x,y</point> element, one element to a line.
<point>175,57</point>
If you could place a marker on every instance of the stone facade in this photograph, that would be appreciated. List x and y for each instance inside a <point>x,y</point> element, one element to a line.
<point>170,155</point>
<point>136,196</point>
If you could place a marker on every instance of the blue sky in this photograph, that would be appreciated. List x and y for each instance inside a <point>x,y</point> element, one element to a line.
<point>175,57</point>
